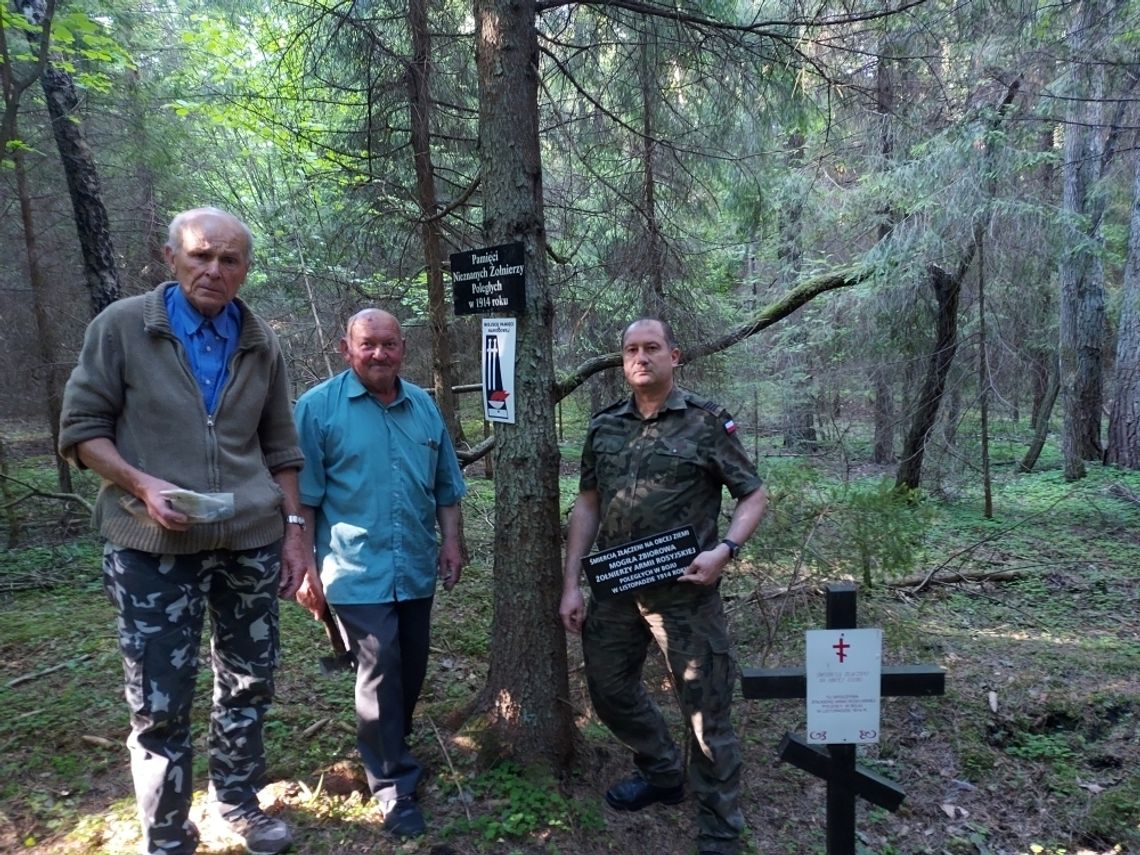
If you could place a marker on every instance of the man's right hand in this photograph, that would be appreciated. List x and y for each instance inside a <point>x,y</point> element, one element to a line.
<point>311,594</point>
<point>102,457</point>
<point>158,506</point>
<point>573,610</point>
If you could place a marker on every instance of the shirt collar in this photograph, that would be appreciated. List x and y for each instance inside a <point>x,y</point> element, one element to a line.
<point>674,401</point>
<point>185,320</point>
<point>355,389</point>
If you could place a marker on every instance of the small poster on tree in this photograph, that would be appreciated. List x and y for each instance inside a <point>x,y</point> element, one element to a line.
<point>499,369</point>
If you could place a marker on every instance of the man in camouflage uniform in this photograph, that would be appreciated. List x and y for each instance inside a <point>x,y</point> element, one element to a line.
<point>652,463</point>
<point>185,388</point>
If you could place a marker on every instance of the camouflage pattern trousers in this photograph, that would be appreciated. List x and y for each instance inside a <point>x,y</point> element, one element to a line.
<point>162,601</point>
<point>689,626</point>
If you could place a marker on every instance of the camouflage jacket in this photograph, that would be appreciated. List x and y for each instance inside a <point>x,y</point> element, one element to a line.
<point>662,472</point>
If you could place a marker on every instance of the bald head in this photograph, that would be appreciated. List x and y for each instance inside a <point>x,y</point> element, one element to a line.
<point>193,217</point>
<point>209,253</point>
<point>373,316</point>
<point>373,347</point>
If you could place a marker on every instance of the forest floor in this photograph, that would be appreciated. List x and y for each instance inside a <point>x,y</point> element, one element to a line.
<point>1035,615</point>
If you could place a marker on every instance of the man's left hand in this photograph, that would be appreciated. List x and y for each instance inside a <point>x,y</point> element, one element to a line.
<point>706,567</point>
<point>450,563</point>
<point>293,563</point>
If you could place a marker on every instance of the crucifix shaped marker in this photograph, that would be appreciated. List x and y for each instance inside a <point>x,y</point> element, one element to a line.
<point>836,765</point>
<point>841,648</point>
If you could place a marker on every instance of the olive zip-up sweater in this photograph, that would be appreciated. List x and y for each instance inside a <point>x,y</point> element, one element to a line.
<point>133,385</point>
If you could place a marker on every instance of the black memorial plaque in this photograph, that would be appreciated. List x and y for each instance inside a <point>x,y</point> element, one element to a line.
<point>640,563</point>
<point>488,280</point>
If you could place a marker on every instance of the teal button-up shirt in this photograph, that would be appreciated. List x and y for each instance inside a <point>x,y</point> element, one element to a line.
<point>375,474</point>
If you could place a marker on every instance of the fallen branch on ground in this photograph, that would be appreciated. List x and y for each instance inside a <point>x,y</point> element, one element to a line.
<point>1122,492</point>
<point>37,493</point>
<point>35,675</point>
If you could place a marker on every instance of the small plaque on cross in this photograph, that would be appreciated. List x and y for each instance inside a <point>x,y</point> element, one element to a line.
<point>844,673</point>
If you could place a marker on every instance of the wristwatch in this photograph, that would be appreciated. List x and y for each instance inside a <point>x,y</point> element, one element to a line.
<point>733,548</point>
<point>295,519</point>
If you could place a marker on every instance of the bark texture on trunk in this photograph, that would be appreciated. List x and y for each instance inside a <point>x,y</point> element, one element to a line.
<point>884,448</point>
<point>1124,420</point>
<point>91,221</point>
<point>53,376</point>
<point>947,288</point>
<point>527,691</point>
<point>420,103</point>
<point>1082,320</point>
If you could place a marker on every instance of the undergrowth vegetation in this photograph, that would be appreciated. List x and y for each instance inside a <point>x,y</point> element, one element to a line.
<point>1035,614</point>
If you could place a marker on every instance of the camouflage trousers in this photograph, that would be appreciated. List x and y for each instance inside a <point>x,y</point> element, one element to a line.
<point>689,626</point>
<point>162,602</point>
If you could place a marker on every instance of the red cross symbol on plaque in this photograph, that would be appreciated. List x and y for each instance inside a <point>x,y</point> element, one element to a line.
<point>841,649</point>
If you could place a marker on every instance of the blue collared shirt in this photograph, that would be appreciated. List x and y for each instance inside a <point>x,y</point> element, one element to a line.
<point>209,342</point>
<point>375,474</point>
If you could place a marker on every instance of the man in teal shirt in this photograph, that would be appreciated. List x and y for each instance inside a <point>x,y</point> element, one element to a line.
<point>380,475</point>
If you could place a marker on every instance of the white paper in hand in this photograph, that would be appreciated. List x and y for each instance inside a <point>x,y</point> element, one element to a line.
<point>201,507</point>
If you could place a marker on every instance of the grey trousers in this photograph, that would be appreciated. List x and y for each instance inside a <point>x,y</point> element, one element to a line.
<point>390,642</point>
<point>162,601</point>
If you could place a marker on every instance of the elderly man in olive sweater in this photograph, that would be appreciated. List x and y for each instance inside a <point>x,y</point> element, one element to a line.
<point>185,389</point>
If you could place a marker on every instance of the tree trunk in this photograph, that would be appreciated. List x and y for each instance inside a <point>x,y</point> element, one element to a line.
<point>884,443</point>
<point>653,301</point>
<point>1082,322</point>
<point>1042,413</point>
<point>1041,375</point>
<point>45,332</point>
<point>8,501</point>
<point>795,361</point>
<point>13,87</point>
<point>947,289</point>
<point>527,691</point>
<point>420,102</point>
<point>984,387</point>
<point>884,405</point>
<point>91,221</point>
<point>1124,420</point>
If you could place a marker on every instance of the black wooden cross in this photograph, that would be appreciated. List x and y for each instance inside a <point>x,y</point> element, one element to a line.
<point>836,765</point>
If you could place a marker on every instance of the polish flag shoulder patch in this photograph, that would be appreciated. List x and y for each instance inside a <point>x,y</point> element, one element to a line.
<point>730,427</point>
